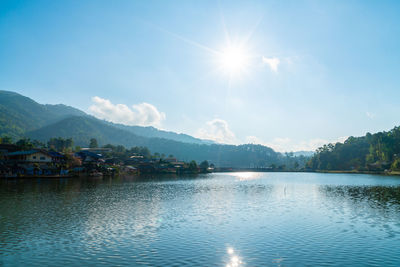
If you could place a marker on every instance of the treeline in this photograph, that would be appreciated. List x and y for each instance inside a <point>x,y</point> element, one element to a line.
<point>372,152</point>
<point>66,145</point>
<point>248,156</point>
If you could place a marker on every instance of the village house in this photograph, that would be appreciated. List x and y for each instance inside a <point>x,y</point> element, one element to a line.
<point>30,156</point>
<point>88,157</point>
<point>7,148</point>
<point>97,150</point>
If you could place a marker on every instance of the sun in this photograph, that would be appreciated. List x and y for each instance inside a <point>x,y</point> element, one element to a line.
<point>233,60</point>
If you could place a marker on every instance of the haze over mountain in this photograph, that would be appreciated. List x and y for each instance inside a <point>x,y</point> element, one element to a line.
<point>23,117</point>
<point>20,114</point>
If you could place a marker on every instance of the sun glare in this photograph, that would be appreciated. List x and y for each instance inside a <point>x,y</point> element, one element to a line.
<point>233,60</point>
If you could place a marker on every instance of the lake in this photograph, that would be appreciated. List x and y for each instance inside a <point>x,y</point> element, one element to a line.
<point>220,219</point>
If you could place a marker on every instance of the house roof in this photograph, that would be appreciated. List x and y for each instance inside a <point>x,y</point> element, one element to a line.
<point>25,152</point>
<point>8,147</point>
<point>56,154</point>
<point>86,153</point>
<point>28,152</point>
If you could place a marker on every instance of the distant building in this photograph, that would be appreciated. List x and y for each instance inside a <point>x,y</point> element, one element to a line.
<point>97,150</point>
<point>171,160</point>
<point>88,157</point>
<point>7,148</point>
<point>30,156</point>
<point>57,157</point>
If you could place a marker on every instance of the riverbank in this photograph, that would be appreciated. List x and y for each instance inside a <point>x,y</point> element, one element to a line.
<point>390,173</point>
<point>218,170</point>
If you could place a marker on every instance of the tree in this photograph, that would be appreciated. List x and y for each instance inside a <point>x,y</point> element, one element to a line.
<point>38,144</point>
<point>145,152</point>
<point>93,143</point>
<point>296,165</point>
<point>204,165</point>
<point>193,167</point>
<point>369,152</point>
<point>396,165</point>
<point>60,144</point>
<point>24,143</point>
<point>6,140</point>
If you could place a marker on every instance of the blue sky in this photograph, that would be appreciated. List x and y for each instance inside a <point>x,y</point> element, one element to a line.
<point>313,71</point>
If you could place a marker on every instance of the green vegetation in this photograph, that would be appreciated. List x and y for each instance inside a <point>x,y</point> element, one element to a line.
<point>60,144</point>
<point>93,143</point>
<point>372,152</point>
<point>21,117</point>
<point>204,165</point>
<point>19,114</point>
<point>152,132</point>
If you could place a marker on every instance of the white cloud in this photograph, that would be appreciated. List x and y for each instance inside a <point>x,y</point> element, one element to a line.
<point>217,130</point>
<point>370,115</point>
<point>253,140</point>
<point>272,62</point>
<point>143,114</point>
<point>287,144</point>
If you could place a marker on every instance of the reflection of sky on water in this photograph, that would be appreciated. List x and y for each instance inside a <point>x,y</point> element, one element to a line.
<point>231,219</point>
<point>113,220</point>
<point>364,209</point>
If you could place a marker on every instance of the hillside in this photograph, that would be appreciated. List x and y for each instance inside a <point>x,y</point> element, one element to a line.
<point>81,129</point>
<point>372,152</point>
<point>150,131</point>
<point>19,114</point>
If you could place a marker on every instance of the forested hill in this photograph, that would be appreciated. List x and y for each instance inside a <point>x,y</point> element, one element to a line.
<point>20,114</point>
<point>150,131</point>
<point>372,152</point>
<point>82,129</point>
<point>22,117</point>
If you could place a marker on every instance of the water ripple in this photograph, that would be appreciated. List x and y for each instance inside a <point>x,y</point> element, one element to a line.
<point>270,219</point>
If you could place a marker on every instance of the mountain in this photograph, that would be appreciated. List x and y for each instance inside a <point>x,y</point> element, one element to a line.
<point>62,111</point>
<point>153,132</point>
<point>372,152</point>
<point>82,129</point>
<point>303,153</point>
<point>19,114</point>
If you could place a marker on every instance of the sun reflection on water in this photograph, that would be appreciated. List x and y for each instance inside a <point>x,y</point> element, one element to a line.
<point>244,176</point>
<point>234,260</point>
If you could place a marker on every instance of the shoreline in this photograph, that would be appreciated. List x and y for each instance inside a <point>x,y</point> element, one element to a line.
<point>387,173</point>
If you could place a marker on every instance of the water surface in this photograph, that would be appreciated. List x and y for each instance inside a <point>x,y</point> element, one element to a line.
<point>223,219</point>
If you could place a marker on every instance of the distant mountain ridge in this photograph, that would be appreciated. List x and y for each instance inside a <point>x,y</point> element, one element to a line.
<point>149,131</point>
<point>78,128</point>
<point>303,153</point>
<point>20,116</point>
